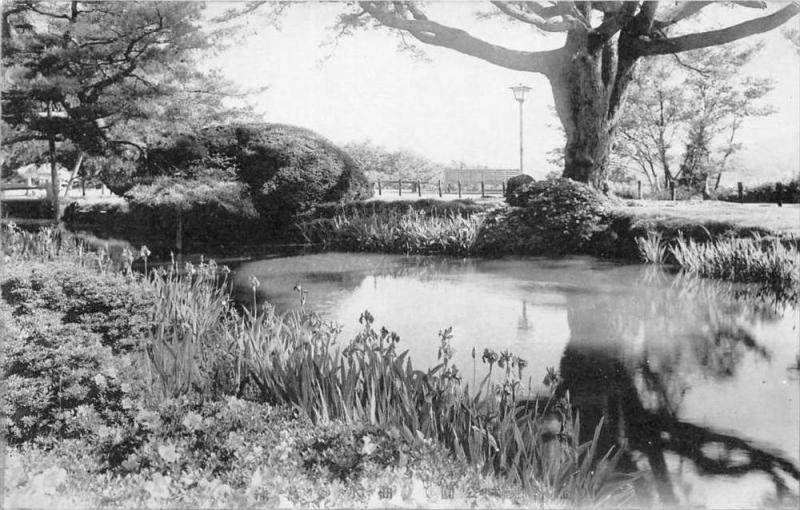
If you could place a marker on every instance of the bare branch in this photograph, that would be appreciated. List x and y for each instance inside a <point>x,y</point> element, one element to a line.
<point>431,32</point>
<point>682,11</point>
<point>699,71</point>
<point>49,14</point>
<point>552,24</point>
<point>558,9</point>
<point>716,37</point>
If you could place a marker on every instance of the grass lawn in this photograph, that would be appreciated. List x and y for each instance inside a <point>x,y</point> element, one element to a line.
<point>784,220</point>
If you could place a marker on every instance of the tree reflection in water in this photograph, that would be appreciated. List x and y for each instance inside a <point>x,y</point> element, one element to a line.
<point>632,367</point>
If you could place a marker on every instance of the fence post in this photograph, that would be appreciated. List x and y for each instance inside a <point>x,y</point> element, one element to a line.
<point>459,188</point>
<point>672,190</point>
<point>439,185</point>
<point>380,188</point>
<point>483,189</point>
<point>639,189</point>
<point>419,188</point>
<point>779,193</point>
<point>741,192</point>
<point>400,187</point>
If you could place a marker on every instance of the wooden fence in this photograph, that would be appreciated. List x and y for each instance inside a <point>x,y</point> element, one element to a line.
<point>405,187</point>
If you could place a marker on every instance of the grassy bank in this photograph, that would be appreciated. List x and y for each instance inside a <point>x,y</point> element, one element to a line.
<point>561,218</point>
<point>124,390</point>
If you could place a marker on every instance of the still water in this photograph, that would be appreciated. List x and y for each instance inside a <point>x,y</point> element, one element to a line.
<point>699,376</point>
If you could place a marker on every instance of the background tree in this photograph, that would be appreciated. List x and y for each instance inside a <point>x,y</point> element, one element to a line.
<point>110,74</point>
<point>377,162</point>
<point>695,104</point>
<point>590,73</point>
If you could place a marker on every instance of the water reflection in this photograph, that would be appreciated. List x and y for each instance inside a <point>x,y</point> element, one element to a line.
<point>652,354</point>
<point>690,374</point>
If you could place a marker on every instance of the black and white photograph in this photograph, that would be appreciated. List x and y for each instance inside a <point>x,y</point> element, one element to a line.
<point>434,254</point>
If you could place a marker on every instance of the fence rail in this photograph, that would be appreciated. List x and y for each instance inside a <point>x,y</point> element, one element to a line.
<point>484,189</point>
<point>402,187</point>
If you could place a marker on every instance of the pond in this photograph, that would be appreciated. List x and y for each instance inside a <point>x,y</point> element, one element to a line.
<point>699,376</point>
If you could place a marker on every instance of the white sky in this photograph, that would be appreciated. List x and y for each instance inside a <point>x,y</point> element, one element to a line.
<point>455,107</point>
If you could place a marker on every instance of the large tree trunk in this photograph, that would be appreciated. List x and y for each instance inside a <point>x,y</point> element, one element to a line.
<point>588,91</point>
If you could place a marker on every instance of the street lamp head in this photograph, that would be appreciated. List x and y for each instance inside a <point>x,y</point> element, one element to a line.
<point>520,91</point>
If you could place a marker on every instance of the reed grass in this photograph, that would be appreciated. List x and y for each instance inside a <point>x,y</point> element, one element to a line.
<point>769,262</point>
<point>409,232</point>
<point>652,249</point>
<point>753,259</point>
<point>189,348</point>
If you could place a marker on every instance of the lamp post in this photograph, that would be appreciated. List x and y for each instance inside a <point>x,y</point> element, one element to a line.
<point>519,94</point>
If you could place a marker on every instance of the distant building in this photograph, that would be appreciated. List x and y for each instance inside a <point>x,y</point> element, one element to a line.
<point>468,176</point>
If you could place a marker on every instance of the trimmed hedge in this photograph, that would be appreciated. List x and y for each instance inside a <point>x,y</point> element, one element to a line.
<point>287,169</point>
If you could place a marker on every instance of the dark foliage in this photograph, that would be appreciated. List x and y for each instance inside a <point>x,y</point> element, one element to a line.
<point>287,169</point>
<point>33,209</point>
<point>515,183</point>
<point>60,380</point>
<point>107,305</point>
<point>562,215</point>
<point>766,193</point>
<point>213,214</point>
<point>344,453</point>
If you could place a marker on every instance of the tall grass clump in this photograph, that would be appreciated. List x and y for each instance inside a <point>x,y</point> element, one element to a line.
<point>410,232</point>
<point>189,348</point>
<point>652,249</point>
<point>754,259</point>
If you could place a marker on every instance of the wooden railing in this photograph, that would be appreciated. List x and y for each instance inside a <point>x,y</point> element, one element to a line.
<point>418,188</point>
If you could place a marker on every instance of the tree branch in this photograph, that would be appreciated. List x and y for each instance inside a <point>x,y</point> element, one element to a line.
<point>682,11</point>
<point>551,24</point>
<point>137,146</point>
<point>50,14</point>
<point>613,22</point>
<point>436,34</point>
<point>716,37</point>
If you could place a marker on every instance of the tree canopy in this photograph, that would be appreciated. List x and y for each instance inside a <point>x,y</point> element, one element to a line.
<point>683,115</point>
<point>377,162</point>
<point>591,72</point>
<point>100,77</point>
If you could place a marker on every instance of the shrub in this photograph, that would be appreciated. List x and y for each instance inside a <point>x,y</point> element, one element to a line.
<point>506,230</point>
<point>563,214</point>
<point>344,454</point>
<point>213,213</point>
<point>765,193</point>
<point>60,381</point>
<point>287,169</point>
<point>109,305</point>
<point>515,183</point>
<point>177,194</point>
